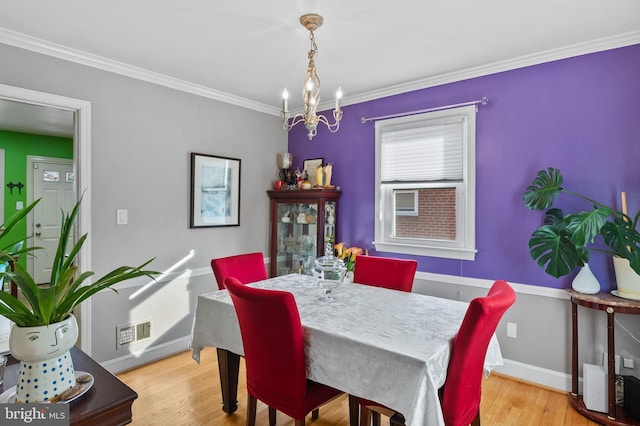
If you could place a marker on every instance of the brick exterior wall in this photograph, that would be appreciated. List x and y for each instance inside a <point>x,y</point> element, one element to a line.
<point>436,216</point>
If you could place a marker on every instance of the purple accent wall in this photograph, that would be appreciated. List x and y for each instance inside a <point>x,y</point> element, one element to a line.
<point>580,115</point>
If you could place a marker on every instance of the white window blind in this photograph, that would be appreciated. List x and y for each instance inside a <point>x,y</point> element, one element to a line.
<point>432,152</point>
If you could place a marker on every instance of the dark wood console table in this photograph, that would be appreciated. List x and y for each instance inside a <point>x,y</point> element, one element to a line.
<point>107,403</point>
<point>611,304</point>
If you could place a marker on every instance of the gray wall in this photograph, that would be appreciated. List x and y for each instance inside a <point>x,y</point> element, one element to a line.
<point>142,135</point>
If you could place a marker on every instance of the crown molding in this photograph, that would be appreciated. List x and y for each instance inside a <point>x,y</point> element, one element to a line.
<point>592,46</point>
<point>23,41</point>
<point>44,47</point>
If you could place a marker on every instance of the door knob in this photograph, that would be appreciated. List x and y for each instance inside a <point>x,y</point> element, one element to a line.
<point>37,225</point>
<point>38,233</point>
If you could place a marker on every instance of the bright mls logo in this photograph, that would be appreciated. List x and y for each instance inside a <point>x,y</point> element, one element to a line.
<point>34,414</point>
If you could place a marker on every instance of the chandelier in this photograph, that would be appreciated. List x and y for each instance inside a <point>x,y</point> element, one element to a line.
<point>311,90</point>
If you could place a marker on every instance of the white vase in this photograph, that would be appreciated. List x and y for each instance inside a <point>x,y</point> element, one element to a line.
<point>46,369</point>
<point>627,280</point>
<point>585,281</point>
<point>348,277</point>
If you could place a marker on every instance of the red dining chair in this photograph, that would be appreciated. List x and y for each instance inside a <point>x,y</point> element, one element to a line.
<point>248,268</point>
<point>387,272</point>
<point>460,395</point>
<point>274,354</point>
<point>395,274</point>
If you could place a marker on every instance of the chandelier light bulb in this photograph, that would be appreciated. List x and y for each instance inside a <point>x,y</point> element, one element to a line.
<point>285,102</point>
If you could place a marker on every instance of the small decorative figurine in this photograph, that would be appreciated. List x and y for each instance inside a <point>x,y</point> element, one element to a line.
<point>299,179</point>
<point>286,217</point>
<point>305,180</point>
<point>319,176</point>
<point>331,214</point>
<point>328,170</point>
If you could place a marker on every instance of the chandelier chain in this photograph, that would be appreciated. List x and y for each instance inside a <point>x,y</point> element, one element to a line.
<point>314,47</point>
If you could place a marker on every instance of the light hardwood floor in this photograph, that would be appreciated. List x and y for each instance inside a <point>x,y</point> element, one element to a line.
<point>177,391</point>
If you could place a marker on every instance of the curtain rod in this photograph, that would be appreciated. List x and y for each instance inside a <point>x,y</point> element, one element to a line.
<point>482,101</point>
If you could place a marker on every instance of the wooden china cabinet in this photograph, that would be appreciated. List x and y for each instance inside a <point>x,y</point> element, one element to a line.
<point>302,221</point>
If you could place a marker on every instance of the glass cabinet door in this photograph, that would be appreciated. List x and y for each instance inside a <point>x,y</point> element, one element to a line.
<point>329,223</point>
<point>297,237</point>
<point>302,221</point>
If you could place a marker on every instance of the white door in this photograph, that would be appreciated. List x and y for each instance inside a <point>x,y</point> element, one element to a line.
<point>53,182</point>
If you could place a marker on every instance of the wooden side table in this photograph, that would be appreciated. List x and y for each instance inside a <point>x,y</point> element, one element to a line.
<point>611,304</point>
<point>107,403</point>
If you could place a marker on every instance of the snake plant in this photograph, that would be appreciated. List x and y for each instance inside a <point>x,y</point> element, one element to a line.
<point>564,241</point>
<point>67,288</point>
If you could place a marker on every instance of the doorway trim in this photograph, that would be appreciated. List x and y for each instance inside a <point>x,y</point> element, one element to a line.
<point>2,169</point>
<point>82,171</point>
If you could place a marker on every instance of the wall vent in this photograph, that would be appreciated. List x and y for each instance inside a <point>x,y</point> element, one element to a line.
<point>131,333</point>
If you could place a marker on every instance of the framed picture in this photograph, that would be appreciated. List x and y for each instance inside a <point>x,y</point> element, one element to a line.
<point>215,191</point>
<point>310,166</point>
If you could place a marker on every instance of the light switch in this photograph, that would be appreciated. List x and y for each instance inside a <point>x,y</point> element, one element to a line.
<point>627,362</point>
<point>122,216</point>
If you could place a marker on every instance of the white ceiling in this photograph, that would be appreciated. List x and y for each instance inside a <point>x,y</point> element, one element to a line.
<point>40,120</point>
<point>245,52</point>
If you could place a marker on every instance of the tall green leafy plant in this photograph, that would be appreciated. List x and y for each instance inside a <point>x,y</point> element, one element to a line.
<point>48,304</point>
<point>564,241</point>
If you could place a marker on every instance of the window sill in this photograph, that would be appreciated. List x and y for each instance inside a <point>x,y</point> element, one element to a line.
<point>443,252</point>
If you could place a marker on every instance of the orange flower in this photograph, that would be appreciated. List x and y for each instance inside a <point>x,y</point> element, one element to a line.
<point>347,254</point>
<point>351,253</point>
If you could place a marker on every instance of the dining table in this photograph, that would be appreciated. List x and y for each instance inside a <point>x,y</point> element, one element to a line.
<point>383,345</point>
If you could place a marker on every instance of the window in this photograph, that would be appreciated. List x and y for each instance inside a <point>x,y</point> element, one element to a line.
<point>425,184</point>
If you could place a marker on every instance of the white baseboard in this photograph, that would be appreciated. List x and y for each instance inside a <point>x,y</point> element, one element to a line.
<point>150,354</point>
<point>537,375</point>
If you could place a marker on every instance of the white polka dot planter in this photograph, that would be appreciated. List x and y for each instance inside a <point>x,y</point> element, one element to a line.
<point>46,369</point>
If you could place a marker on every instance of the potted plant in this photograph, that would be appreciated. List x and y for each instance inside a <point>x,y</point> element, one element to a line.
<point>564,241</point>
<point>43,315</point>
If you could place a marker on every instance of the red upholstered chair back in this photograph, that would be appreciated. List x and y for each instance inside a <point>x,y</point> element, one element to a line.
<point>395,274</point>
<point>461,396</point>
<point>247,268</point>
<point>273,346</point>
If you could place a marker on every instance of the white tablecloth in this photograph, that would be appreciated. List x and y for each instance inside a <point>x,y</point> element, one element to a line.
<point>388,346</point>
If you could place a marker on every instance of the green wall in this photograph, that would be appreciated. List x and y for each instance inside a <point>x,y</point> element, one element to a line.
<point>17,146</point>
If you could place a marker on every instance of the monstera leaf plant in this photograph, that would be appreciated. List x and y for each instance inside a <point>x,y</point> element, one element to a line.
<point>50,303</point>
<point>564,241</point>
